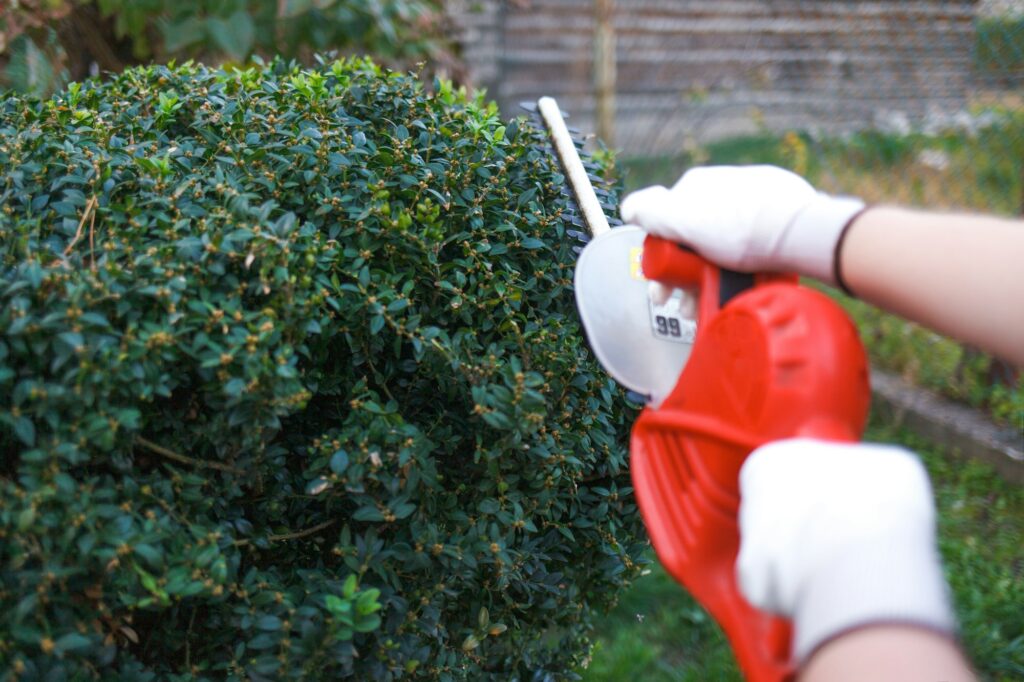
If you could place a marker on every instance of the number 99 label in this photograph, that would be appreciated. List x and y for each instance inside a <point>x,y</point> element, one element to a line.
<point>668,323</point>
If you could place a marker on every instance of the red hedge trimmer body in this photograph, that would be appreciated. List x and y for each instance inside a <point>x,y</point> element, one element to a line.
<point>776,361</point>
<point>761,358</point>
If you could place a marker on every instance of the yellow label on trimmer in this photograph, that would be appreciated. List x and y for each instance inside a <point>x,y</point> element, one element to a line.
<point>636,255</point>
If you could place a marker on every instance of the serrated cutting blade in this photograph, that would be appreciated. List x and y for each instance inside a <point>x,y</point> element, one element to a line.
<point>642,345</point>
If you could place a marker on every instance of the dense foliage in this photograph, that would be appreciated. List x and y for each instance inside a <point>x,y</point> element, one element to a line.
<point>291,385</point>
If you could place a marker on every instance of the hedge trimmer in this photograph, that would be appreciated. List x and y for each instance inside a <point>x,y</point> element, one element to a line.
<point>729,362</point>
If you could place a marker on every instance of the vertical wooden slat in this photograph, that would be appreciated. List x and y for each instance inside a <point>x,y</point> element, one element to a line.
<point>699,68</point>
<point>604,68</point>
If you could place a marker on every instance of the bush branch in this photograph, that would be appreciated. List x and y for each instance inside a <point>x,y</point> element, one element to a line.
<point>301,533</point>
<point>291,536</point>
<point>171,454</point>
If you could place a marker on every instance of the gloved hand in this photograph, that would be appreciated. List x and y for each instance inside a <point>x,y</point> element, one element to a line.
<point>835,536</point>
<point>747,218</point>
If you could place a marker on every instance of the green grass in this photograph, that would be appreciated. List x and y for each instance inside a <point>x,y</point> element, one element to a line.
<point>982,171</point>
<point>935,361</point>
<point>658,634</point>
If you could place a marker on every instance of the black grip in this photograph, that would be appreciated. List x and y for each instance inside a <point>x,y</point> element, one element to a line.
<point>731,284</point>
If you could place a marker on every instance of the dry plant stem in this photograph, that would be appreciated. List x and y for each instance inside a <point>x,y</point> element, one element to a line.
<point>188,641</point>
<point>90,207</point>
<point>171,454</point>
<point>283,537</point>
<point>84,22</point>
<point>301,533</point>
<point>957,274</point>
<point>92,241</point>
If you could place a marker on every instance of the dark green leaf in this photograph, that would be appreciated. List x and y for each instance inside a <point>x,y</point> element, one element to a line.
<point>368,513</point>
<point>72,642</point>
<point>339,462</point>
<point>234,34</point>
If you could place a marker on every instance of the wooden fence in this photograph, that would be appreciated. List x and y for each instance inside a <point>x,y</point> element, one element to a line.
<point>706,69</point>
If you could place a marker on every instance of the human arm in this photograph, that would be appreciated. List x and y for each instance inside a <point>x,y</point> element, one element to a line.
<point>955,273</point>
<point>888,653</point>
<point>839,538</point>
<point>959,274</point>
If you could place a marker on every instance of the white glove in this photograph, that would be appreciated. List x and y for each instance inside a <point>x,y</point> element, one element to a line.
<point>836,536</point>
<point>749,218</point>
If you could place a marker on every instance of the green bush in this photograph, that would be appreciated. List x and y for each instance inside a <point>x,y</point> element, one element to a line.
<point>291,385</point>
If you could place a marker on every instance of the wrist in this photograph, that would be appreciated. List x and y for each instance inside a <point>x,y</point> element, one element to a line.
<point>811,244</point>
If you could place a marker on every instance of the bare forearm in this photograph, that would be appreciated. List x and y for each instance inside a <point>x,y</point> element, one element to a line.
<point>888,653</point>
<point>961,275</point>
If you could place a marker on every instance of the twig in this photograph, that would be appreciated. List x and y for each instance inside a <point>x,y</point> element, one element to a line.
<point>377,375</point>
<point>171,454</point>
<point>290,536</point>
<point>301,533</point>
<point>598,477</point>
<point>92,243</point>
<point>188,641</point>
<point>90,206</point>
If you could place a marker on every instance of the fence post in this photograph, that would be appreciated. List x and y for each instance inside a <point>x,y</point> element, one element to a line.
<point>604,69</point>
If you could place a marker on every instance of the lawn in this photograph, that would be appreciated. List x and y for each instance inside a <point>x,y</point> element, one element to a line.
<point>658,634</point>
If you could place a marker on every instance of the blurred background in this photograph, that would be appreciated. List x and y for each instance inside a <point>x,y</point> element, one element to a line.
<point>666,79</point>
<point>927,93</point>
<point>911,101</point>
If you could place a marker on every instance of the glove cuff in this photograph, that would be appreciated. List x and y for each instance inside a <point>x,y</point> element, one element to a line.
<point>897,581</point>
<point>809,245</point>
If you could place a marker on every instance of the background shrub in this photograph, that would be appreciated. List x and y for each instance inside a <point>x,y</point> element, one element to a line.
<point>291,384</point>
<point>46,43</point>
<point>998,51</point>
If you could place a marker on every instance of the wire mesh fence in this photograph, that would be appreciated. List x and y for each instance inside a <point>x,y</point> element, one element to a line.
<point>926,93</point>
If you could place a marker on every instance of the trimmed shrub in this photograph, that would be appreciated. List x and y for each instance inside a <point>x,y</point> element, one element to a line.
<point>291,385</point>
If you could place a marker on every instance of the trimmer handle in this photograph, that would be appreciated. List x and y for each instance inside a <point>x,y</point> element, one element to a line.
<point>774,361</point>
<point>671,263</point>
